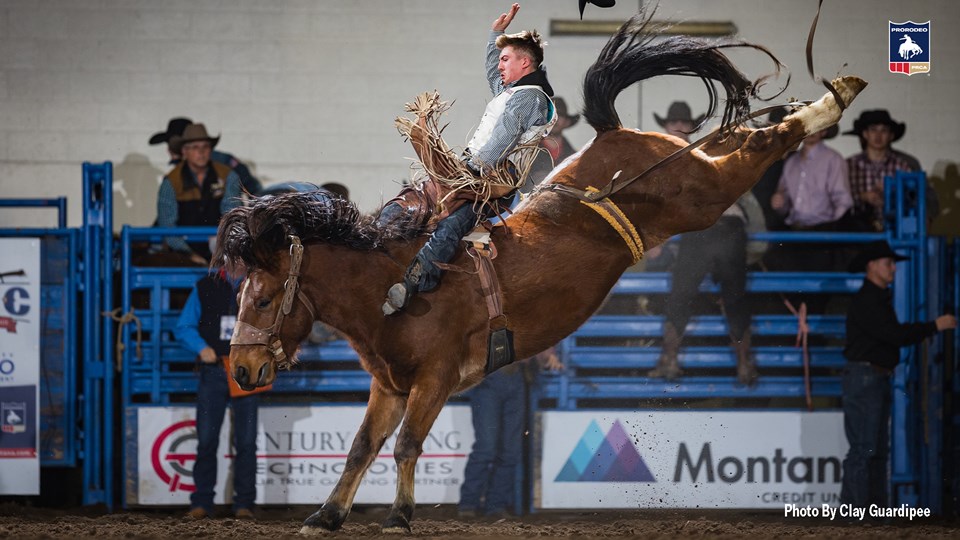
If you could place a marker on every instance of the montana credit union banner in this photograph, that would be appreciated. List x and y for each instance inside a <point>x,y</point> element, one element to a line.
<point>19,366</point>
<point>703,459</point>
<point>301,452</point>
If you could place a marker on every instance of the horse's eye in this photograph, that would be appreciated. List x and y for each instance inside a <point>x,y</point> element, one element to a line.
<point>263,303</point>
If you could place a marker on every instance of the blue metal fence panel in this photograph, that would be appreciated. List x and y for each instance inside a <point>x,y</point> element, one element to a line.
<point>98,395</point>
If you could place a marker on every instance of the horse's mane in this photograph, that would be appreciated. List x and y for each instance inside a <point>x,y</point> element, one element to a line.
<point>639,51</point>
<point>250,236</point>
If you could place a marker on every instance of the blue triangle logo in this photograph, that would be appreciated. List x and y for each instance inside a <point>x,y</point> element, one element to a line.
<point>609,457</point>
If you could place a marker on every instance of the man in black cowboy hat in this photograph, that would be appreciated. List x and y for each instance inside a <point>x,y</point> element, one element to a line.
<point>196,192</point>
<point>720,250</point>
<point>679,121</point>
<point>874,339</point>
<point>175,128</point>
<point>877,131</point>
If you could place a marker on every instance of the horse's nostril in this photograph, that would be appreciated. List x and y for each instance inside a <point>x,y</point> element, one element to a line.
<point>241,375</point>
<point>262,374</point>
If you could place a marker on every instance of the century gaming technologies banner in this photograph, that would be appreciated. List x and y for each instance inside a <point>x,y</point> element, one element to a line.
<point>701,459</point>
<point>19,366</point>
<point>301,452</point>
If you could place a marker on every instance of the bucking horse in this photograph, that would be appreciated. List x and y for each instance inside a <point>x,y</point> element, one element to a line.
<point>310,256</point>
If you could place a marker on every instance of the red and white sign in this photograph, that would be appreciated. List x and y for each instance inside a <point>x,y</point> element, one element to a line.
<point>301,452</point>
<point>19,366</point>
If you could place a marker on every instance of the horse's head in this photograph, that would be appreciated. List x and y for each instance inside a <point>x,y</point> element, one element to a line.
<point>274,318</point>
<point>263,241</point>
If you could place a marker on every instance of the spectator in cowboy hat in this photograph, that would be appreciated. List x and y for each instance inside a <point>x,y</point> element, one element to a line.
<point>679,121</point>
<point>720,250</point>
<point>874,339</point>
<point>877,131</point>
<point>814,192</point>
<point>556,147</point>
<point>196,192</point>
<point>175,127</point>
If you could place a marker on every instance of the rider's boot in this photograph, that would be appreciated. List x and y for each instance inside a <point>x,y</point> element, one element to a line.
<point>423,275</point>
<point>668,366</point>
<point>746,367</point>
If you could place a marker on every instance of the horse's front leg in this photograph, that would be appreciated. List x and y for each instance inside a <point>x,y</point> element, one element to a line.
<point>423,406</point>
<point>384,412</point>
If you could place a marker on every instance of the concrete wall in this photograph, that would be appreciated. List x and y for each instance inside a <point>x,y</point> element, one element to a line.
<point>308,89</point>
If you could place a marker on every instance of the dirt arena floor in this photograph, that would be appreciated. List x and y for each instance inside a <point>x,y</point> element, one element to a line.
<point>23,522</point>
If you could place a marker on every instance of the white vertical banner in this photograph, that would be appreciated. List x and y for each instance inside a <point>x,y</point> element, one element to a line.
<point>19,366</point>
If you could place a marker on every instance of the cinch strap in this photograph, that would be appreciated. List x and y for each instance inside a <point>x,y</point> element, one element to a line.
<point>610,212</point>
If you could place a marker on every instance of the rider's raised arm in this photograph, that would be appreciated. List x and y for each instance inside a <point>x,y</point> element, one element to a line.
<point>498,27</point>
<point>493,63</point>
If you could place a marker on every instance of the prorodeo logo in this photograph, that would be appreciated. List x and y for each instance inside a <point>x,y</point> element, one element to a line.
<point>909,47</point>
<point>170,460</point>
<point>610,458</point>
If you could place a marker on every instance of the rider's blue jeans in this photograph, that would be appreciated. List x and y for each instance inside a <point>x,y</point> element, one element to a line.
<point>213,395</point>
<point>443,243</point>
<point>866,418</point>
<point>497,408</point>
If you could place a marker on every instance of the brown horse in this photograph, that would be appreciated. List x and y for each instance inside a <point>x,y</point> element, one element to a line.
<point>558,257</point>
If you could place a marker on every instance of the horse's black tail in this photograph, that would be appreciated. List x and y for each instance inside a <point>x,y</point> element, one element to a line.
<point>638,52</point>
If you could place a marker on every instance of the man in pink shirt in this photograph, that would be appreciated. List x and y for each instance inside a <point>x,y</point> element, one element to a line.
<point>813,192</point>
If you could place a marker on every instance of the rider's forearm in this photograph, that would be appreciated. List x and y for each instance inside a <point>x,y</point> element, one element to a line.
<point>493,63</point>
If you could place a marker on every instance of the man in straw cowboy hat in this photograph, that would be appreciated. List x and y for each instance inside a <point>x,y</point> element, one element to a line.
<point>874,339</point>
<point>196,192</point>
<point>499,153</point>
<point>175,128</point>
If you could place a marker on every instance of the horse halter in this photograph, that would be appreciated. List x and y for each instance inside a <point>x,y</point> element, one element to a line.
<point>247,334</point>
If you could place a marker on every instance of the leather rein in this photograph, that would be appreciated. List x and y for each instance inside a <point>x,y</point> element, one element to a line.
<point>247,334</point>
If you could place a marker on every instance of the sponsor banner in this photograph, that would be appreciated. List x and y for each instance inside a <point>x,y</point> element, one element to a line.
<point>301,452</point>
<point>703,459</point>
<point>909,47</point>
<point>19,366</point>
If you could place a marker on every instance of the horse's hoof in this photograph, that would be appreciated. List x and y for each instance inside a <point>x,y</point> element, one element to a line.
<point>849,86</point>
<point>327,518</point>
<point>312,531</point>
<point>396,524</point>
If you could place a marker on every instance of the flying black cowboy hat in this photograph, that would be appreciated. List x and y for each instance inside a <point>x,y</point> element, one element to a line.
<point>175,128</point>
<point>598,3</point>
<point>871,252</point>
<point>877,116</point>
